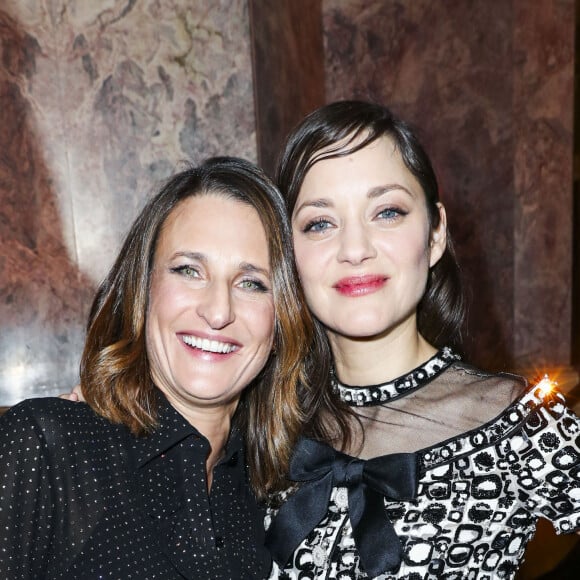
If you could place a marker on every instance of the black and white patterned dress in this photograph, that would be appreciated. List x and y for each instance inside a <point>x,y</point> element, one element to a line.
<point>480,491</point>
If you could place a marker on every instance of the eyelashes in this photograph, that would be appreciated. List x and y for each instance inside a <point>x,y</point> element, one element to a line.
<point>392,213</point>
<point>185,270</point>
<point>250,284</point>
<point>255,285</point>
<point>316,225</point>
<point>321,224</point>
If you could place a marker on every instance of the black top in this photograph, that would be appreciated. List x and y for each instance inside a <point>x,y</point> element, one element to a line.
<point>83,498</point>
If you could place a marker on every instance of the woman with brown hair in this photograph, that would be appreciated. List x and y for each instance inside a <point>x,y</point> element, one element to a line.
<point>191,371</point>
<point>415,464</point>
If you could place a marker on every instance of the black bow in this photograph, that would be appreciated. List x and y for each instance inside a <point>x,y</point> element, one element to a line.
<point>368,481</point>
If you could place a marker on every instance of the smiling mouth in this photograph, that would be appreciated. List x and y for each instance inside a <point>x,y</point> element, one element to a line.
<point>209,345</point>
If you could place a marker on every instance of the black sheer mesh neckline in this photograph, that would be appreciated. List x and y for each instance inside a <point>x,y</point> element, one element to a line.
<point>370,395</point>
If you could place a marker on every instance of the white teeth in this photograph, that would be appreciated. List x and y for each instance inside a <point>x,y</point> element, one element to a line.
<point>208,345</point>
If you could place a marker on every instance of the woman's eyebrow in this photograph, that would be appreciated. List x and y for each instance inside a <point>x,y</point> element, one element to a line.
<point>198,256</point>
<point>379,190</point>
<point>249,267</point>
<point>201,257</point>
<point>372,193</point>
<point>320,202</point>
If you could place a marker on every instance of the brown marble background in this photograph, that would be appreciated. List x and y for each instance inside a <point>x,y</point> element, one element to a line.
<point>490,86</point>
<point>99,101</point>
<point>288,61</point>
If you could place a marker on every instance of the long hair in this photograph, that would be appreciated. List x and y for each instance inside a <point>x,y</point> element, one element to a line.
<point>115,372</point>
<point>337,130</point>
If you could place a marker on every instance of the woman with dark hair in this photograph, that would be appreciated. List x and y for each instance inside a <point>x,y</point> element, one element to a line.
<point>415,464</point>
<point>191,371</point>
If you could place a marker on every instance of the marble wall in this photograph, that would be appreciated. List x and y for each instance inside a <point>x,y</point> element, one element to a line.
<point>491,91</point>
<point>99,101</point>
<point>288,62</point>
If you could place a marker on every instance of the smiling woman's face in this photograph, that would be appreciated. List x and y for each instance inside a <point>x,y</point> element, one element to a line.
<point>210,319</point>
<point>363,241</point>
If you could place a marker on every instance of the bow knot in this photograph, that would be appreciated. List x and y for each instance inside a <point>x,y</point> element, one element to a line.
<point>320,468</point>
<point>347,471</point>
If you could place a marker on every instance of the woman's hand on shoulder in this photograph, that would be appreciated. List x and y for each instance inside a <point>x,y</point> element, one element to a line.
<point>75,395</point>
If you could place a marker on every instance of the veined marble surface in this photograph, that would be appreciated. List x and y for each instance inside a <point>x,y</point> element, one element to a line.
<point>491,91</point>
<point>99,102</point>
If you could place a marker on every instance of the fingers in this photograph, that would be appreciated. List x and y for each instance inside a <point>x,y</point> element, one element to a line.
<point>76,395</point>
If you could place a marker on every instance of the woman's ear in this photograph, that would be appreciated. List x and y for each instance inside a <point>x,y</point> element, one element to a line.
<point>438,241</point>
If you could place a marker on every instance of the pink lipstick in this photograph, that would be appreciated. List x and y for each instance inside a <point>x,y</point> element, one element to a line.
<point>360,285</point>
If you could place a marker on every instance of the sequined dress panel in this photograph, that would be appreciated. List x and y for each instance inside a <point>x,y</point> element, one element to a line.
<point>480,492</point>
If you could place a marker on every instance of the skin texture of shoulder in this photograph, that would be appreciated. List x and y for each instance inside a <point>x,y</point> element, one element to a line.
<point>455,401</point>
<point>505,387</point>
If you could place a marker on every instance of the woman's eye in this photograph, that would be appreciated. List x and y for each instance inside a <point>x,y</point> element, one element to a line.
<point>253,285</point>
<point>186,270</point>
<point>318,225</point>
<point>391,213</point>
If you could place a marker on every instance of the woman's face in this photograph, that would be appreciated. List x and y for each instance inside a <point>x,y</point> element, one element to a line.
<point>363,242</point>
<point>210,320</point>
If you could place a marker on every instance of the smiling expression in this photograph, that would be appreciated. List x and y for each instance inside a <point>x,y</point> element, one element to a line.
<point>363,242</point>
<point>210,318</point>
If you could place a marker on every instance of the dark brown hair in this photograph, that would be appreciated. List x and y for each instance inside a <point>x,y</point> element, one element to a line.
<point>115,369</point>
<point>339,129</point>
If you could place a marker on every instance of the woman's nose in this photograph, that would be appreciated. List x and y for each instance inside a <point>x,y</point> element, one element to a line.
<point>216,306</point>
<point>356,244</point>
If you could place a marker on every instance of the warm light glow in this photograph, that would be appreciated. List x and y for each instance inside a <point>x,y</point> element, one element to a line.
<point>546,385</point>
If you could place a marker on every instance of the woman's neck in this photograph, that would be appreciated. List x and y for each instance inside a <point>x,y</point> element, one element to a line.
<point>371,361</point>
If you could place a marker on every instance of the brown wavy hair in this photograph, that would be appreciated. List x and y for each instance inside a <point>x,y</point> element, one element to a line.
<point>339,129</point>
<point>115,374</point>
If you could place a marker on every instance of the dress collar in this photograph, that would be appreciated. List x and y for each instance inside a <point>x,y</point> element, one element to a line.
<point>370,395</point>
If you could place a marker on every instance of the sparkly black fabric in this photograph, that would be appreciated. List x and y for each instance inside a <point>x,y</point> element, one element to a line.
<point>82,498</point>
